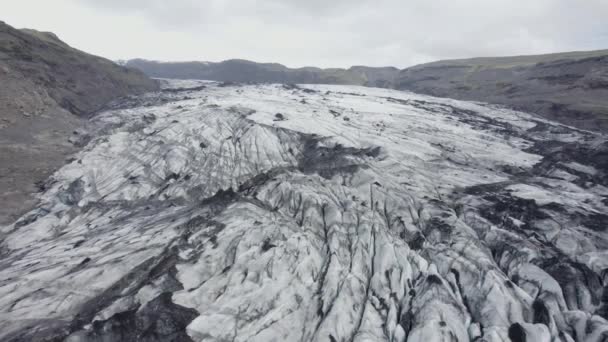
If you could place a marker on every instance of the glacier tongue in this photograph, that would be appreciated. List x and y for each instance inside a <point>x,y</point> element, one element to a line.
<point>227,212</point>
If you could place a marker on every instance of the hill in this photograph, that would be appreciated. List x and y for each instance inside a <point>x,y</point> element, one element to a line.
<point>47,86</point>
<point>571,88</point>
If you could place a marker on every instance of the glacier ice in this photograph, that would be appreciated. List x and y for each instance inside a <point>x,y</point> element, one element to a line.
<point>265,212</point>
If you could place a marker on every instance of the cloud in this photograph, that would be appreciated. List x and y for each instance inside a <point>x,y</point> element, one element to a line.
<point>335,33</point>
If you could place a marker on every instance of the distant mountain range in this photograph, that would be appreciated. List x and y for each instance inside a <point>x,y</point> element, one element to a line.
<point>239,70</point>
<point>568,87</point>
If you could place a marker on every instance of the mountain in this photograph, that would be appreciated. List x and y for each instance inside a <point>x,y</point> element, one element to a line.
<point>47,87</point>
<point>237,70</point>
<point>571,88</point>
<point>225,212</point>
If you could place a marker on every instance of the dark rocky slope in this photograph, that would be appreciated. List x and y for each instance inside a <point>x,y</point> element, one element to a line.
<point>238,70</point>
<point>571,88</point>
<point>46,87</point>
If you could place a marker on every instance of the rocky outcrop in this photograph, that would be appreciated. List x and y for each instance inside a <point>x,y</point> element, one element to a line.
<point>358,214</point>
<point>47,87</point>
<point>571,88</point>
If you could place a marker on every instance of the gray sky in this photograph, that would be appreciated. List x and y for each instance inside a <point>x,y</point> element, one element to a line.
<point>325,33</point>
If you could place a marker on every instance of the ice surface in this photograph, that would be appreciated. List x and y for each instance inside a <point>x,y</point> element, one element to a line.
<point>314,213</point>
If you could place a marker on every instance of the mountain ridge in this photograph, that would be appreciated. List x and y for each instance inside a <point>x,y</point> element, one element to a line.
<point>242,70</point>
<point>532,59</point>
<point>571,88</point>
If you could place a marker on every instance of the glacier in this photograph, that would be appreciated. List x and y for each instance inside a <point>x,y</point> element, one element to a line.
<point>264,212</point>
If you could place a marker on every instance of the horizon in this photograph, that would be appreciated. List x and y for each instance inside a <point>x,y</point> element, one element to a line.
<point>359,65</point>
<point>318,34</point>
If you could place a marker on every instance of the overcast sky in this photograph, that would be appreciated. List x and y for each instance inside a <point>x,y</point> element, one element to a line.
<point>325,33</point>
